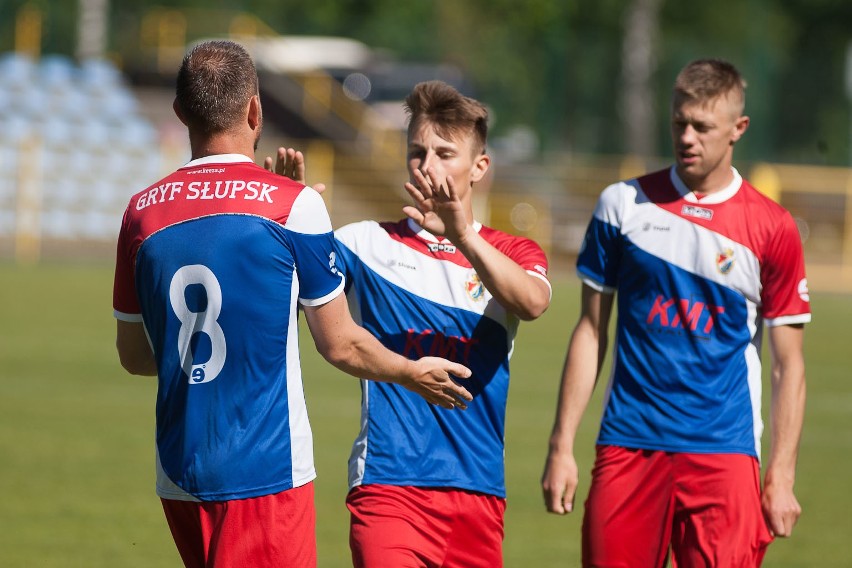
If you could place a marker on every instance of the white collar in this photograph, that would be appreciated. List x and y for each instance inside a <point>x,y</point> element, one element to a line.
<point>219,159</point>
<point>427,236</point>
<point>720,196</point>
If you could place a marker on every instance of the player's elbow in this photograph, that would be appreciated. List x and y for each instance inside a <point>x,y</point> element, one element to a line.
<point>141,364</point>
<point>533,309</point>
<point>337,352</point>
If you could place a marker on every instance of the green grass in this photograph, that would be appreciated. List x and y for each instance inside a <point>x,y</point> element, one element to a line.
<point>76,436</point>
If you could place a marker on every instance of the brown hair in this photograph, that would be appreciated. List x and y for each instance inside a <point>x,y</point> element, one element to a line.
<point>451,113</point>
<point>706,79</point>
<point>214,84</point>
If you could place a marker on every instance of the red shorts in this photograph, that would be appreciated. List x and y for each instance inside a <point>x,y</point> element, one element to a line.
<point>408,527</point>
<point>274,530</point>
<point>706,507</point>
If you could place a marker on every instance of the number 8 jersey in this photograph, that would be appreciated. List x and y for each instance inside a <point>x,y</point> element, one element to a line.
<point>212,260</point>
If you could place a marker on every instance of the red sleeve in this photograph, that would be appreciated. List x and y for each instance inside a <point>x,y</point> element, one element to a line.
<point>782,275</point>
<point>524,252</point>
<point>124,299</point>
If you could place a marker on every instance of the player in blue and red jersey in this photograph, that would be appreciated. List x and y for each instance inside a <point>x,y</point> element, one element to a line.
<point>212,262</point>
<point>699,262</point>
<point>427,486</point>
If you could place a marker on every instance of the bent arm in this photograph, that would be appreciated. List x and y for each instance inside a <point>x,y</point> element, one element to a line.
<point>780,506</point>
<point>355,351</point>
<point>517,290</point>
<point>134,351</point>
<point>583,361</point>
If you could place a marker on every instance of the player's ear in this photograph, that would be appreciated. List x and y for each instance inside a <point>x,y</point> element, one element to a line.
<point>178,112</point>
<point>740,126</point>
<point>254,112</point>
<point>480,166</point>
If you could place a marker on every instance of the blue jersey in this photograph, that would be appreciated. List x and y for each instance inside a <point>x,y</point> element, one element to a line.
<point>213,259</point>
<point>420,297</point>
<point>696,280</point>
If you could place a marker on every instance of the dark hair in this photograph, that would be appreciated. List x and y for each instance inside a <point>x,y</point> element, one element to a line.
<point>448,110</point>
<point>215,82</point>
<point>706,79</point>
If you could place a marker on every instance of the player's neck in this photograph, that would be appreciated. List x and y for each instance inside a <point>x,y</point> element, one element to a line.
<point>222,143</point>
<point>714,182</point>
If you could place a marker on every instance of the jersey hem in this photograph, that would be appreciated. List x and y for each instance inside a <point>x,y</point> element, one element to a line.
<point>685,449</point>
<point>501,492</point>
<point>235,495</point>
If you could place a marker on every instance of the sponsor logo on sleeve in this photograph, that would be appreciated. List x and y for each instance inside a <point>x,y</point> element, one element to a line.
<point>803,290</point>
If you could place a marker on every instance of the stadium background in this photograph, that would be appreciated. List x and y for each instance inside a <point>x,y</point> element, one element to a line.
<point>578,94</point>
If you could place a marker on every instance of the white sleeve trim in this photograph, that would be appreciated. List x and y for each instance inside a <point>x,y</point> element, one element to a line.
<point>327,298</point>
<point>788,320</point>
<point>595,285</point>
<point>131,318</point>
<point>544,278</point>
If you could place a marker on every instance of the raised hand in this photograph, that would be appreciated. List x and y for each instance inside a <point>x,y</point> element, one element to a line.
<point>290,163</point>
<point>438,208</point>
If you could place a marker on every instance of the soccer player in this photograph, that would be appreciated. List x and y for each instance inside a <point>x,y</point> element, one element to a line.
<point>427,485</point>
<point>211,263</point>
<point>700,261</point>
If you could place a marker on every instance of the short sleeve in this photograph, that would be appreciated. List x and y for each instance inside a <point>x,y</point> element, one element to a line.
<point>600,254</point>
<point>784,296</point>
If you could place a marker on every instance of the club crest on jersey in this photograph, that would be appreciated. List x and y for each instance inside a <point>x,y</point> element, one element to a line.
<point>474,287</point>
<point>694,211</point>
<point>725,261</point>
<point>442,247</point>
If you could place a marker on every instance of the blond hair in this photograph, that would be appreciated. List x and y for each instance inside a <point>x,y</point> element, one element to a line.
<point>705,80</point>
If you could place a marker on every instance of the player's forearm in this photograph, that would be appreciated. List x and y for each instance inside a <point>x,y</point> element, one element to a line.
<point>358,353</point>
<point>520,293</point>
<point>788,402</point>
<point>786,421</point>
<point>579,376</point>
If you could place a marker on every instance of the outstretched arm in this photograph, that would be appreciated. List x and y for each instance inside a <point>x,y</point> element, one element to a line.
<point>355,351</point>
<point>586,351</point>
<point>440,211</point>
<point>780,506</point>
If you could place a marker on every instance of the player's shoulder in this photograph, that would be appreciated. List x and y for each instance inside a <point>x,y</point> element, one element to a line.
<point>368,230</point>
<point>755,199</point>
<point>522,250</point>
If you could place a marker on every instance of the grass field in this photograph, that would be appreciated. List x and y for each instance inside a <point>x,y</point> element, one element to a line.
<point>76,436</point>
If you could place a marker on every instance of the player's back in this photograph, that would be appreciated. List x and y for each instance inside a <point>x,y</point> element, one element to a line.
<point>216,248</point>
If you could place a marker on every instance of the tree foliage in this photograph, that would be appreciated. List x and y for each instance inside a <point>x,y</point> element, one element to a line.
<point>556,66</point>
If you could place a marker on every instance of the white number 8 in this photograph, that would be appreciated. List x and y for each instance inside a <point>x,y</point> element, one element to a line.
<point>193,322</point>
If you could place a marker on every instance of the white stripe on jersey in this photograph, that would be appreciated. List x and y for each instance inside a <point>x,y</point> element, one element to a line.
<point>301,435</point>
<point>423,275</point>
<point>644,223</point>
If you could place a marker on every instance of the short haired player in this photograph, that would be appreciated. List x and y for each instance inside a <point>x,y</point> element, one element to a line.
<point>699,263</point>
<point>211,264</point>
<point>427,486</point>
